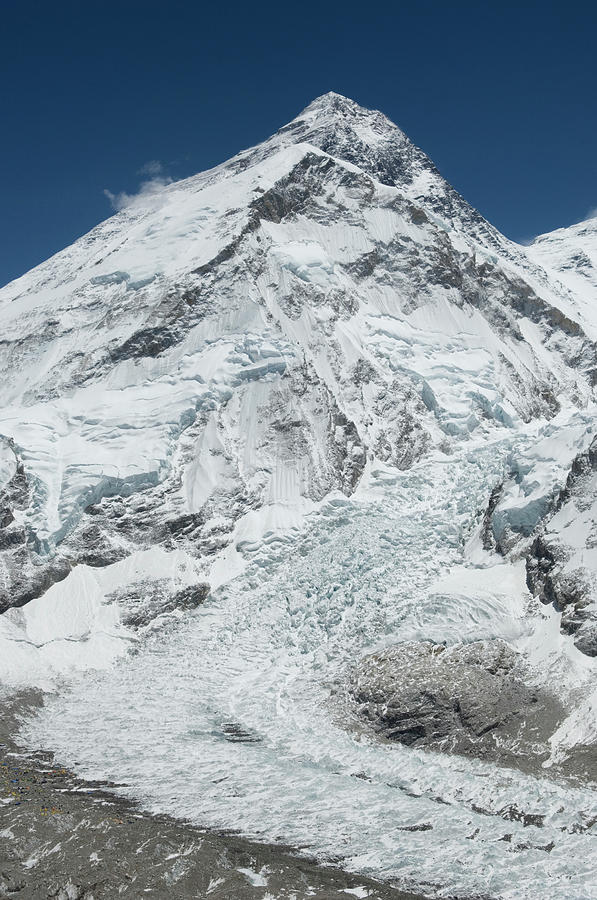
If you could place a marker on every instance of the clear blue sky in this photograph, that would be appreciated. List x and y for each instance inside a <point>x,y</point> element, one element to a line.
<point>501,95</point>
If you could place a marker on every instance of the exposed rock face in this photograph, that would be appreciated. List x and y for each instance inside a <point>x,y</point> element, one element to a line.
<point>20,578</point>
<point>468,698</point>
<point>562,558</point>
<point>145,601</point>
<point>546,511</point>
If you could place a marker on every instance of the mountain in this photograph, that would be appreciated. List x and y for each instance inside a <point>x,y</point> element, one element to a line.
<point>297,282</point>
<point>317,344</point>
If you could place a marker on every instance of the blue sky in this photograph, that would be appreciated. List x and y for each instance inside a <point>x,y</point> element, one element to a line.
<point>500,95</point>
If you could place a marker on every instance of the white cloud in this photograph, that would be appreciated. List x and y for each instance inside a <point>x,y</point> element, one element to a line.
<point>147,189</point>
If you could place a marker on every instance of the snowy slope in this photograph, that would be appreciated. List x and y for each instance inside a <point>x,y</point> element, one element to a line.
<point>316,383</point>
<point>570,256</point>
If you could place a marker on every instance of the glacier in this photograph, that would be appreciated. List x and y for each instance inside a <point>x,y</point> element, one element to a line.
<point>265,423</point>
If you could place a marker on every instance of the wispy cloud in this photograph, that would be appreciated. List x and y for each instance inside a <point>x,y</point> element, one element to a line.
<point>148,188</point>
<point>154,167</point>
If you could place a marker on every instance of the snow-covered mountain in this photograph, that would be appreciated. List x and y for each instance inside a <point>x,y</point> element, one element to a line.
<point>316,352</point>
<point>246,338</point>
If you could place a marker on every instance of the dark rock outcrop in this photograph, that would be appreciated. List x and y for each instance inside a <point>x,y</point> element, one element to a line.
<point>555,573</point>
<point>143,602</point>
<point>468,698</point>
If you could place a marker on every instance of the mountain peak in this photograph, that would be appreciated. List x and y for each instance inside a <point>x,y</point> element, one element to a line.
<point>332,101</point>
<point>332,106</point>
<point>363,137</point>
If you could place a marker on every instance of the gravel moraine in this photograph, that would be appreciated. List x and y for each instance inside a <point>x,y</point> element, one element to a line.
<point>67,839</point>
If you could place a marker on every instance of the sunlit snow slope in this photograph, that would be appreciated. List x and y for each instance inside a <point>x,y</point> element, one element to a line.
<point>570,255</point>
<point>301,408</point>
